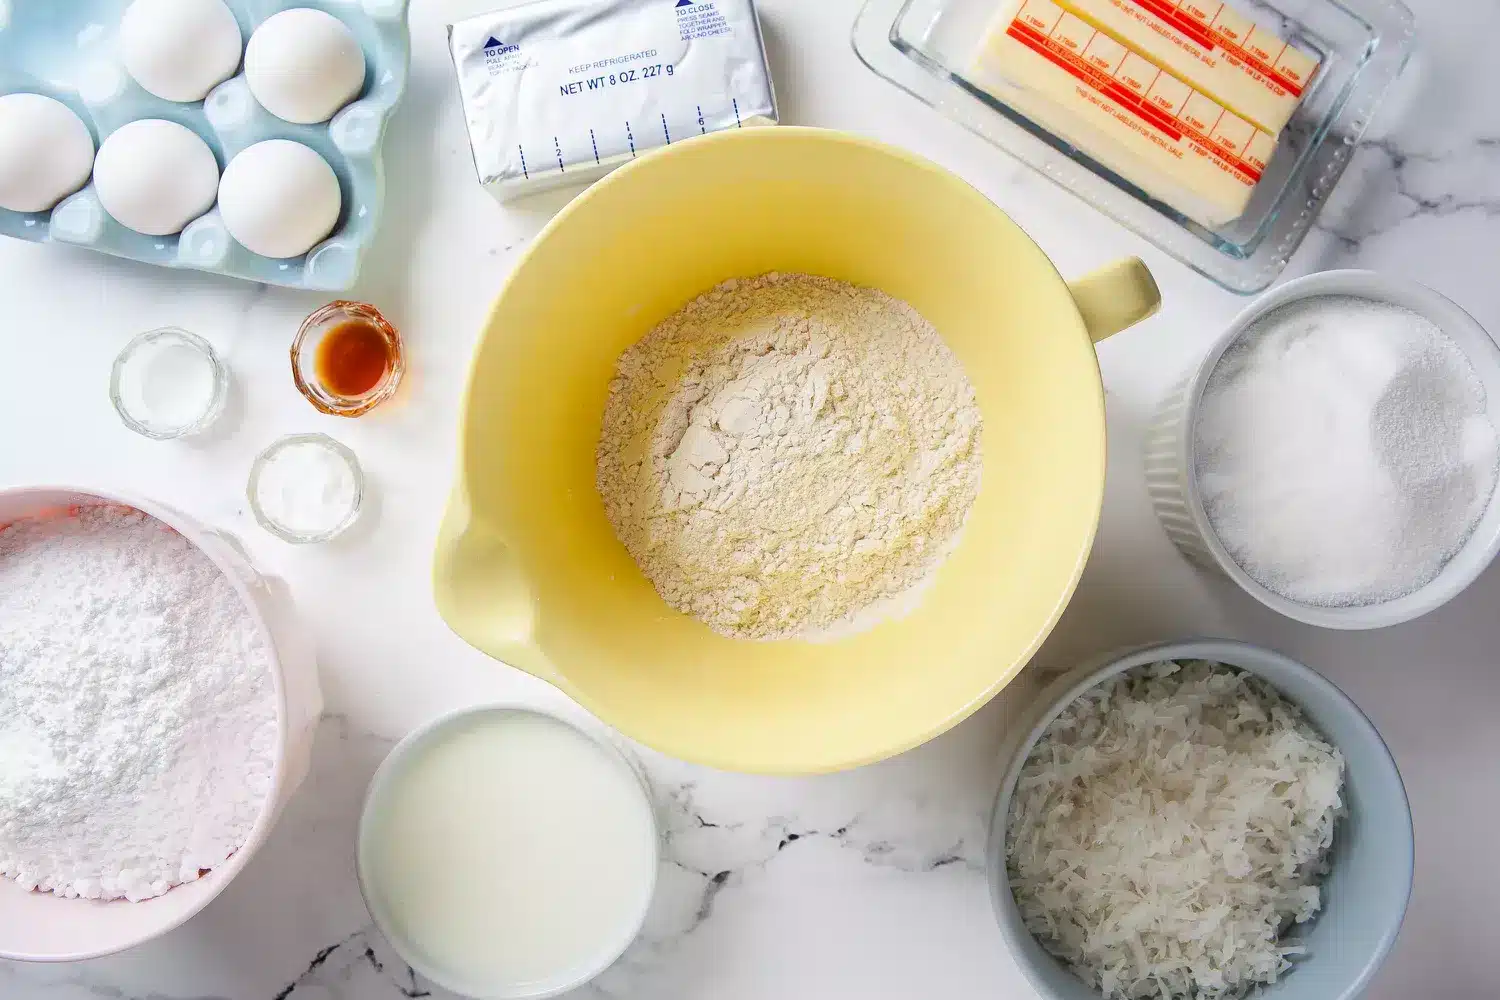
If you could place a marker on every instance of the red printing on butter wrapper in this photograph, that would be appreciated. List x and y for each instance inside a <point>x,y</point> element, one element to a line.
<point>1142,89</point>
<point>1218,26</point>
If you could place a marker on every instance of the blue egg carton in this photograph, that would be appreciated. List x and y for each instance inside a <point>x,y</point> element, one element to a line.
<point>66,49</point>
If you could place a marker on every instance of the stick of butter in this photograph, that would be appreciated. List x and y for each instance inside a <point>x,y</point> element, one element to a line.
<point>559,92</point>
<point>1243,65</point>
<point>1127,112</point>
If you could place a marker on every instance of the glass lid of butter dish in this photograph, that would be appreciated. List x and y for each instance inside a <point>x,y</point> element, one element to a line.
<point>1215,130</point>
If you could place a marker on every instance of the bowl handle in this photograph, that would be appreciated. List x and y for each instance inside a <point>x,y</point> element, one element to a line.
<point>482,591</point>
<point>1116,296</point>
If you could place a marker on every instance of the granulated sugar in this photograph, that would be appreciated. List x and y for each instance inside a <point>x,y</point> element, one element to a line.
<point>790,456</point>
<point>137,709</point>
<point>1344,451</point>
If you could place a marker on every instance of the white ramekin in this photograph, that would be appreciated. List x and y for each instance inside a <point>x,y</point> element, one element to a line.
<point>1170,459</point>
<point>41,927</point>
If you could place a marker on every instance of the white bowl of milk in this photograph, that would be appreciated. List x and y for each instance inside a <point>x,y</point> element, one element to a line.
<point>506,854</point>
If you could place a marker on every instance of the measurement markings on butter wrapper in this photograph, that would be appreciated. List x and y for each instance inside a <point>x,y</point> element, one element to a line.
<point>558,147</point>
<point>1172,111</point>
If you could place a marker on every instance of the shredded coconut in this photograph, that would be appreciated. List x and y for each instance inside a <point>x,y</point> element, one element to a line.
<point>790,456</point>
<point>1344,451</point>
<point>1169,827</point>
<point>137,711</point>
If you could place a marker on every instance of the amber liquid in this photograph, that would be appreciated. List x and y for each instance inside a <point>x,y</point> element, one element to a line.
<point>352,358</point>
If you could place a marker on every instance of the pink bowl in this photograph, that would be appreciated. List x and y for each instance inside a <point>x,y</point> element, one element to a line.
<point>41,927</point>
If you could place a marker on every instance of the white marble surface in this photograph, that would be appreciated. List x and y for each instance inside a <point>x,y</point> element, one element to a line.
<point>867,884</point>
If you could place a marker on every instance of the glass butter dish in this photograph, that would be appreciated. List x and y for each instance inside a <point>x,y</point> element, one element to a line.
<point>1098,128</point>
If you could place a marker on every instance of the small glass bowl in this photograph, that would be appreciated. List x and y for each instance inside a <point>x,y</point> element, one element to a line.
<point>305,353</point>
<point>338,521</point>
<point>142,422</point>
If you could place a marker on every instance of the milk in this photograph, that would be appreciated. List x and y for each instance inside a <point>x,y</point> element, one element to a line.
<point>506,854</point>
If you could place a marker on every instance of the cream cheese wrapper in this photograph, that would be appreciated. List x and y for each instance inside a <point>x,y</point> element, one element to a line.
<point>561,92</point>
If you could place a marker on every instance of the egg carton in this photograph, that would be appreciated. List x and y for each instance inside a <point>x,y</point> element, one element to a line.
<point>67,51</point>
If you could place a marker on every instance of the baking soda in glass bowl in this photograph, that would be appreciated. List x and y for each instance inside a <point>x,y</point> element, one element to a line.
<point>1343,451</point>
<point>306,488</point>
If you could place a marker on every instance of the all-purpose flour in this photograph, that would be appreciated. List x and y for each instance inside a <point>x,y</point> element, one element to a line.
<point>789,456</point>
<point>137,712</point>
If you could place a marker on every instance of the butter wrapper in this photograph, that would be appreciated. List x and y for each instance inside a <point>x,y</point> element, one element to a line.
<point>559,92</point>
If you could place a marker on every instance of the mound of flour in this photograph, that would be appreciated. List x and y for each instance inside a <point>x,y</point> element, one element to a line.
<point>790,456</point>
<point>137,711</point>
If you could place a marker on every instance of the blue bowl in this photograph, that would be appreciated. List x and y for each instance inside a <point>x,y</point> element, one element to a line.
<point>1367,888</point>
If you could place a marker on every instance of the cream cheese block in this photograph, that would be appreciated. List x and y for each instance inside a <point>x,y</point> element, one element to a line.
<point>1213,47</point>
<point>1123,109</point>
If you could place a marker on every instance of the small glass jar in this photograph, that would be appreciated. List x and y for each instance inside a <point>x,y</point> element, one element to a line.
<point>168,383</point>
<point>321,359</point>
<point>306,488</point>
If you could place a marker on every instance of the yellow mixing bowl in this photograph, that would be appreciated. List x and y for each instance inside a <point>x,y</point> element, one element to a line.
<point>528,568</point>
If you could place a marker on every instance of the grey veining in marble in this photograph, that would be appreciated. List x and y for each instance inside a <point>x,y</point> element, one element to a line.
<point>298,896</point>
<point>864,885</point>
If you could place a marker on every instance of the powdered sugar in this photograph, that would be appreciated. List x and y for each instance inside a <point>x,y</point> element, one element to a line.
<point>137,710</point>
<point>1344,451</point>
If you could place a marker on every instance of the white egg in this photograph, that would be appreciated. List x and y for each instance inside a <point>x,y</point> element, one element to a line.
<point>279,198</point>
<point>155,176</point>
<point>180,49</point>
<point>303,65</point>
<point>46,152</point>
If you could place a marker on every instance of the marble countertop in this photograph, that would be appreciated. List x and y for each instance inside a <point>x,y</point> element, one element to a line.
<point>865,884</point>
